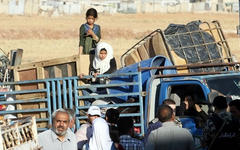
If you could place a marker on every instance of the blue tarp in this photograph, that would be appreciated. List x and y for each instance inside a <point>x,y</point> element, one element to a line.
<point>146,74</point>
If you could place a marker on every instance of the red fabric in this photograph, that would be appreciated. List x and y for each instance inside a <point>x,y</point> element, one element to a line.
<point>2,107</point>
<point>120,147</point>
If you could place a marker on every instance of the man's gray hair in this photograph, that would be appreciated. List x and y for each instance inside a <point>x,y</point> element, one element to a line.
<point>71,113</point>
<point>62,111</point>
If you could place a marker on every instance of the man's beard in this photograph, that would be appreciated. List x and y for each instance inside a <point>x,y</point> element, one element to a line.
<point>59,133</point>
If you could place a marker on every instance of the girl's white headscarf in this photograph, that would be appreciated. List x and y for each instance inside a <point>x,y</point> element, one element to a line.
<point>104,64</point>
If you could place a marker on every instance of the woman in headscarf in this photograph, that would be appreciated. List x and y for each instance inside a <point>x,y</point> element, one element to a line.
<point>103,62</point>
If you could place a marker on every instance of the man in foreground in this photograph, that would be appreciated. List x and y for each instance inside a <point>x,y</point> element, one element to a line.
<point>100,139</point>
<point>155,123</point>
<point>58,137</point>
<point>170,136</point>
<point>126,130</point>
<point>234,107</point>
<point>221,131</point>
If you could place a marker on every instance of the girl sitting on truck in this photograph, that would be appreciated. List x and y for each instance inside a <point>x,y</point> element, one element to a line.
<point>103,63</point>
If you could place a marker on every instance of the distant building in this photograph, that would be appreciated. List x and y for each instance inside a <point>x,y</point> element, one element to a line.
<point>70,7</point>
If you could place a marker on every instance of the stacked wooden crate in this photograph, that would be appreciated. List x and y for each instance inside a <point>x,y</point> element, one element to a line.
<point>19,134</point>
<point>54,68</point>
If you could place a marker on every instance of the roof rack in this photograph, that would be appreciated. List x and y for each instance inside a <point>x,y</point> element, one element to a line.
<point>195,43</point>
<point>227,67</point>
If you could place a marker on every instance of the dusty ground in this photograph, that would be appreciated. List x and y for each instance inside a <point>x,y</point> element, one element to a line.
<point>45,38</point>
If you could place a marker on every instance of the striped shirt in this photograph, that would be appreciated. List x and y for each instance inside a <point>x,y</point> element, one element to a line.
<point>130,143</point>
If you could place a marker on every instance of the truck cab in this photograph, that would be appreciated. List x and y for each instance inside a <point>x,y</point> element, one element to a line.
<point>203,89</point>
<point>201,64</point>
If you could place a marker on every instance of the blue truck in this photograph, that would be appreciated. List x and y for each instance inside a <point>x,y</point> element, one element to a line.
<point>148,94</point>
<point>193,58</point>
<point>203,86</point>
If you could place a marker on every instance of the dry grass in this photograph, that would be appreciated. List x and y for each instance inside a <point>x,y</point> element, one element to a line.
<point>45,38</point>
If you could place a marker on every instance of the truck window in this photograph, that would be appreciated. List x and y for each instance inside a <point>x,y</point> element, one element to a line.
<point>225,85</point>
<point>179,92</point>
<point>187,111</point>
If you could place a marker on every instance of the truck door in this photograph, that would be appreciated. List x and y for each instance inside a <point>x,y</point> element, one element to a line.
<point>177,90</point>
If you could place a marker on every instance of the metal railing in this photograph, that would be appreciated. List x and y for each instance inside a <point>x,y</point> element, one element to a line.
<point>42,97</point>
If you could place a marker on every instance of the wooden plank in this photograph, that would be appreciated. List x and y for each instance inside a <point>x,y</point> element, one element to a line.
<point>143,53</point>
<point>129,60</point>
<point>17,87</point>
<point>46,72</point>
<point>23,75</point>
<point>179,61</point>
<point>57,72</point>
<point>60,61</point>
<point>30,74</point>
<point>149,46</point>
<point>16,57</point>
<point>74,69</point>
<point>41,75</point>
<point>49,72</point>
<point>69,66</point>
<point>18,60</point>
<point>156,43</point>
<point>159,45</point>
<point>136,56</point>
<point>69,69</point>
<point>79,65</point>
<point>83,64</point>
<point>63,69</point>
<point>51,62</point>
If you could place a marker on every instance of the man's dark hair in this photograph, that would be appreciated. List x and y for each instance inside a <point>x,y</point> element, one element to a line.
<point>235,103</point>
<point>220,102</point>
<point>112,115</point>
<point>168,102</point>
<point>92,12</point>
<point>125,124</point>
<point>164,113</point>
<point>190,101</point>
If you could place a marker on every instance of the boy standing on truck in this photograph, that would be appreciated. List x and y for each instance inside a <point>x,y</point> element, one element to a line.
<point>89,33</point>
